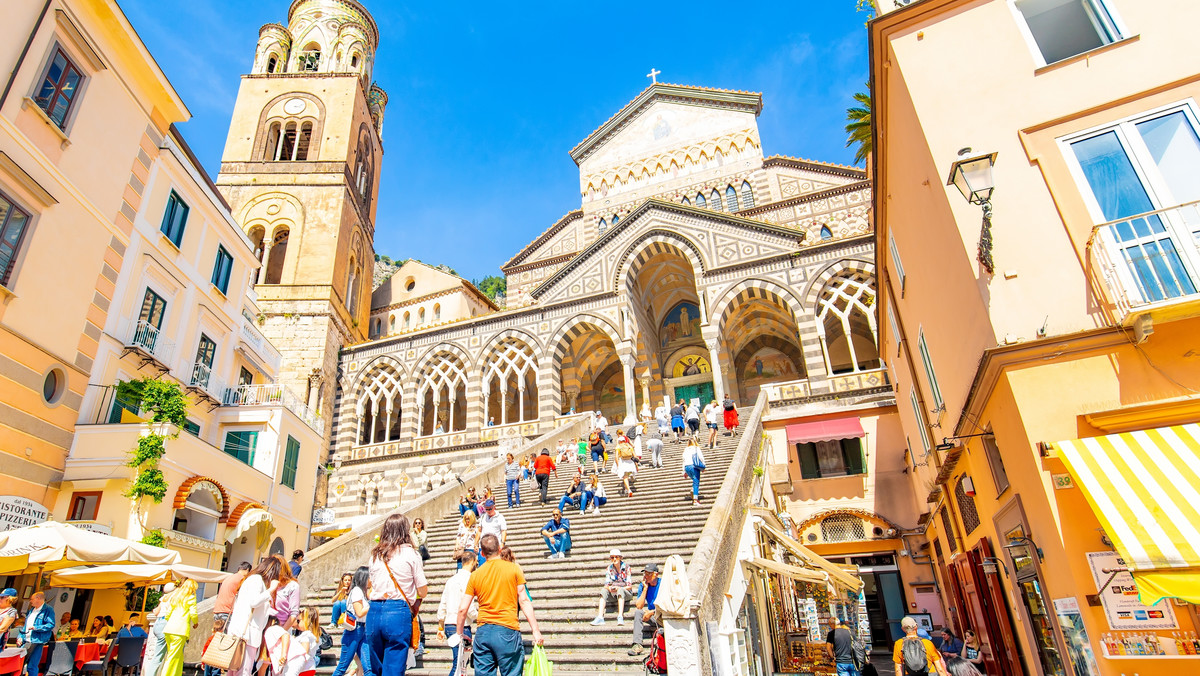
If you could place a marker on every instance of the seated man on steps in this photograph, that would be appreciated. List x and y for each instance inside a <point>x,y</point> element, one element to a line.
<point>574,494</point>
<point>557,534</point>
<point>643,606</point>
<point>617,586</point>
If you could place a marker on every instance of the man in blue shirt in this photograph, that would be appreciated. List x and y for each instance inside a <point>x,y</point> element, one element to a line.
<point>132,627</point>
<point>37,632</point>
<point>295,564</point>
<point>557,534</point>
<point>643,606</point>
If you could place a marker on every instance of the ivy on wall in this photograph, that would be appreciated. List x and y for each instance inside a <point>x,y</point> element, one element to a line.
<point>166,405</point>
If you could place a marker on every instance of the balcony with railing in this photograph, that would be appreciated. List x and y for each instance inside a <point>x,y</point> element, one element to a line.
<point>148,340</point>
<point>273,395</point>
<point>1149,264</point>
<point>203,380</point>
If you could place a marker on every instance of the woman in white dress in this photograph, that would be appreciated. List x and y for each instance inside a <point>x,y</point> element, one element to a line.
<point>252,608</point>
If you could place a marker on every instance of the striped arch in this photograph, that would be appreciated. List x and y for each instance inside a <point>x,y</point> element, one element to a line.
<point>189,485</point>
<point>236,514</point>
<point>650,244</point>
<point>847,265</point>
<point>521,335</point>
<point>577,326</point>
<point>750,289</point>
<point>359,380</point>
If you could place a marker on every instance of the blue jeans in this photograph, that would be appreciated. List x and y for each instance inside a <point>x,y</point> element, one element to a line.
<point>33,659</point>
<point>589,498</point>
<point>339,609</point>
<point>354,643</point>
<point>846,670</point>
<point>694,473</point>
<point>466,632</point>
<point>389,637</point>
<point>498,648</point>
<point>568,500</point>
<point>513,491</point>
<point>558,543</point>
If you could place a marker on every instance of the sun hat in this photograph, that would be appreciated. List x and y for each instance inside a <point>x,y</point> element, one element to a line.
<point>10,592</point>
<point>614,552</point>
<point>489,503</point>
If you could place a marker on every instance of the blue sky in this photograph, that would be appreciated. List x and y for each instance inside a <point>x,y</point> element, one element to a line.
<point>485,99</point>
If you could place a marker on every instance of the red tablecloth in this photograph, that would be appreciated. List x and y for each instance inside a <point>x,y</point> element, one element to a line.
<point>87,652</point>
<point>10,665</point>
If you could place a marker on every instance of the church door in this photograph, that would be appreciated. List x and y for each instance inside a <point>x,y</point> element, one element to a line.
<point>701,391</point>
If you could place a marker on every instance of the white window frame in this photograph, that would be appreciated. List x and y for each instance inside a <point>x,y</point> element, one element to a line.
<point>1118,25</point>
<point>899,264</point>
<point>916,404</point>
<point>894,324</point>
<point>930,374</point>
<point>1138,155</point>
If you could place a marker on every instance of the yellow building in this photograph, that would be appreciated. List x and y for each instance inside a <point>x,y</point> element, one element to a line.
<point>418,296</point>
<point>240,476</point>
<point>1041,338</point>
<point>83,111</point>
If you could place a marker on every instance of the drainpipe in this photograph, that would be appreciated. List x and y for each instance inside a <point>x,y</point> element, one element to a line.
<point>24,52</point>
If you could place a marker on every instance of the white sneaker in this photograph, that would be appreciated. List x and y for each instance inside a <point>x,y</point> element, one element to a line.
<point>597,512</point>
<point>598,621</point>
<point>621,621</point>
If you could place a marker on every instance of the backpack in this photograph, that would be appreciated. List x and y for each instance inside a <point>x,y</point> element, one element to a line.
<point>656,661</point>
<point>914,659</point>
<point>858,651</point>
<point>594,439</point>
<point>728,405</point>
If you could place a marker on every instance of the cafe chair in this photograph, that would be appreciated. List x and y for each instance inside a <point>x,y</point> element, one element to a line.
<point>62,658</point>
<point>98,666</point>
<point>129,653</point>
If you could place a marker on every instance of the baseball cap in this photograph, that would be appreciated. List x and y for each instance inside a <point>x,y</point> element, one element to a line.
<point>9,592</point>
<point>614,552</point>
<point>650,568</point>
<point>489,503</point>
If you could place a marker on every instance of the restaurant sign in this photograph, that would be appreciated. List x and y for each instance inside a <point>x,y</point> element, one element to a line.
<point>1120,597</point>
<point>18,512</point>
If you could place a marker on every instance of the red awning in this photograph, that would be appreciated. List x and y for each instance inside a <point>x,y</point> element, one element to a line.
<point>825,430</point>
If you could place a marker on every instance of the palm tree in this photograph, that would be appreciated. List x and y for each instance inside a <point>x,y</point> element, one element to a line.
<point>858,126</point>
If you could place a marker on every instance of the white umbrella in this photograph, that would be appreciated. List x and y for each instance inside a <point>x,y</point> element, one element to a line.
<point>144,574</point>
<point>54,546</point>
<point>341,526</point>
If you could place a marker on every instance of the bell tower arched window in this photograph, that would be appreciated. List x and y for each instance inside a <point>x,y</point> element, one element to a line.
<point>272,63</point>
<point>731,198</point>
<point>288,141</point>
<point>310,58</point>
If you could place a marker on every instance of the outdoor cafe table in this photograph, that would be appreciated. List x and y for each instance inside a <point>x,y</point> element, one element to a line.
<point>11,660</point>
<point>88,652</point>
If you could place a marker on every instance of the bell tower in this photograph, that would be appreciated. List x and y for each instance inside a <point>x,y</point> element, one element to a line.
<point>301,174</point>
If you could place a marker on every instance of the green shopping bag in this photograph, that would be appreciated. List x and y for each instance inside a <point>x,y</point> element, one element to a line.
<point>538,664</point>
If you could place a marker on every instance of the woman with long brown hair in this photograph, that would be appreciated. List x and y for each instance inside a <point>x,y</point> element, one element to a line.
<point>339,599</point>
<point>397,586</point>
<point>252,608</point>
<point>287,597</point>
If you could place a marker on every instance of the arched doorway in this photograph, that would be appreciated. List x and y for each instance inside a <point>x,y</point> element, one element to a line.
<point>587,359</point>
<point>760,333</point>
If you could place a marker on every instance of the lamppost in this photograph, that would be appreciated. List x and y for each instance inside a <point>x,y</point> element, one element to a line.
<point>973,178</point>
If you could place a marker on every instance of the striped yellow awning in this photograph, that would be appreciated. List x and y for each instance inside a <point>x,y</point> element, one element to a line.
<point>1145,488</point>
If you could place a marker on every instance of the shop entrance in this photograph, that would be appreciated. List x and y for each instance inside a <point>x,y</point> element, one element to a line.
<point>883,591</point>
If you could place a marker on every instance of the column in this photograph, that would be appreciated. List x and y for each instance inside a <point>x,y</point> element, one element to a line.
<point>504,402</point>
<point>387,423</point>
<point>714,355</point>
<point>521,401</point>
<point>374,419</point>
<point>450,420</point>
<point>630,404</point>
<point>262,271</point>
<point>645,380</point>
<point>358,432</point>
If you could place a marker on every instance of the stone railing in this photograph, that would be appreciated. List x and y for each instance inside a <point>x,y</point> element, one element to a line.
<point>323,565</point>
<point>715,556</point>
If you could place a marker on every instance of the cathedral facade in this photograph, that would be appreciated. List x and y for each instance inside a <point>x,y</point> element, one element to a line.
<point>693,267</point>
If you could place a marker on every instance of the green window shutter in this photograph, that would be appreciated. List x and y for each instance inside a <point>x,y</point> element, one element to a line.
<point>852,455</point>
<point>808,461</point>
<point>291,457</point>
<point>241,445</point>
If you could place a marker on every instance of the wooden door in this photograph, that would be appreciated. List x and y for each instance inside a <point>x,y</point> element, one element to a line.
<point>1005,657</point>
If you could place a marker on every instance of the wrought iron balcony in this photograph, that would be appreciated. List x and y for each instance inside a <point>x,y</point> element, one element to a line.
<point>149,340</point>
<point>1148,261</point>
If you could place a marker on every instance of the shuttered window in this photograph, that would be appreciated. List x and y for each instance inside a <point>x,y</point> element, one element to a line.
<point>175,219</point>
<point>291,457</point>
<point>841,457</point>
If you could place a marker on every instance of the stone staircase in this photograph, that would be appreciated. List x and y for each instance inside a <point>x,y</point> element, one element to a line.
<point>658,521</point>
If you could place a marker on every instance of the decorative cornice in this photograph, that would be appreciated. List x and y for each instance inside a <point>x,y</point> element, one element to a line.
<point>810,197</point>
<point>655,203</point>
<point>541,263</point>
<point>542,238</point>
<point>814,165</point>
<point>686,94</point>
<point>191,541</point>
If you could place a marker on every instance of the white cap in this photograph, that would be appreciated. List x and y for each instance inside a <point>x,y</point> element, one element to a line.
<point>614,552</point>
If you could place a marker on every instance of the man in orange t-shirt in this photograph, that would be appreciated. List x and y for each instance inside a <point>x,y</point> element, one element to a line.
<point>499,586</point>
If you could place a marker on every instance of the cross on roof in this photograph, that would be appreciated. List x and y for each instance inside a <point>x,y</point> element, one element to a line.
<point>653,75</point>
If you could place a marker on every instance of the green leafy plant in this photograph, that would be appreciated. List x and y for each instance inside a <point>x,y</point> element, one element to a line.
<point>165,403</point>
<point>133,598</point>
<point>759,471</point>
<point>154,538</point>
<point>858,127</point>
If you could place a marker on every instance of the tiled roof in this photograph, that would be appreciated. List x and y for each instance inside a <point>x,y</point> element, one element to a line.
<point>663,90</point>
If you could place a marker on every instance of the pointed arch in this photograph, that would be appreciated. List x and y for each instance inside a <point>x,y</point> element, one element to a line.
<point>846,323</point>
<point>650,244</point>
<point>731,199</point>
